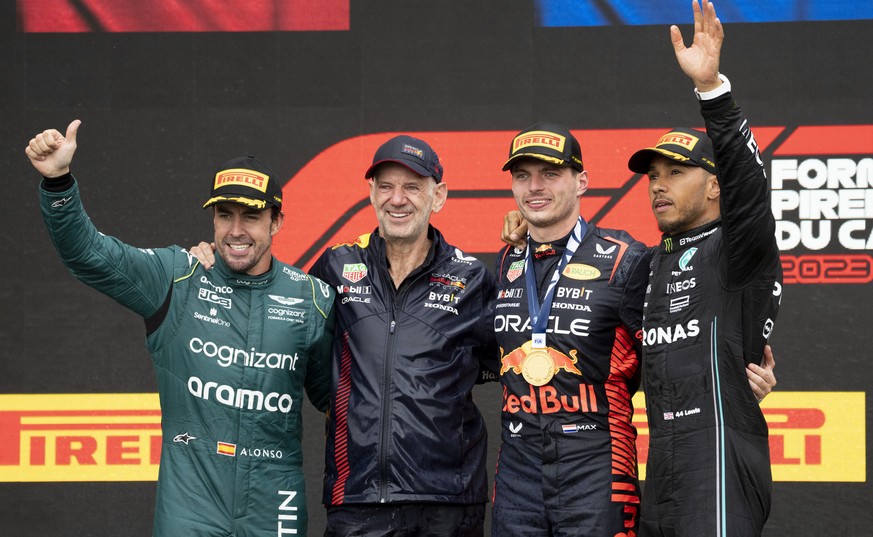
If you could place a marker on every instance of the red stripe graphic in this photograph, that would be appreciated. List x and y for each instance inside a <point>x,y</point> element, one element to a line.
<point>623,365</point>
<point>626,493</point>
<point>828,140</point>
<point>341,412</point>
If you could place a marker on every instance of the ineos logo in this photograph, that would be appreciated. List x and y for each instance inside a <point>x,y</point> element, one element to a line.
<point>684,285</point>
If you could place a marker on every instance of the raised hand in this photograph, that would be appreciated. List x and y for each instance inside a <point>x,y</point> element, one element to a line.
<point>700,60</point>
<point>51,153</point>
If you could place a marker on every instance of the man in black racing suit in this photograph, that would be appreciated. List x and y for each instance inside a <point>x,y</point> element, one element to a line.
<point>714,293</point>
<point>567,464</point>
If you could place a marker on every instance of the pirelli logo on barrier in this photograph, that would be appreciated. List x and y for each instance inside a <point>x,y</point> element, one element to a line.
<point>814,436</point>
<point>80,437</point>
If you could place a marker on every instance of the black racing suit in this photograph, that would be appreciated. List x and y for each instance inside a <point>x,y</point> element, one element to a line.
<point>567,464</point>
<point>713,298</point>
<point>403,426</point>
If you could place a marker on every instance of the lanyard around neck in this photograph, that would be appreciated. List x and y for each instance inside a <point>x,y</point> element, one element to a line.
<point>539,313</point>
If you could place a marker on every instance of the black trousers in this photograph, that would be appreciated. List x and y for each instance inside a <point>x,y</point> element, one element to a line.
<point>406,520</point>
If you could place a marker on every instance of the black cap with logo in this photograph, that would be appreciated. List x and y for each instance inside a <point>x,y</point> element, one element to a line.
<point>247,181</point>
<point>684,145</point>
<point>550,142</point>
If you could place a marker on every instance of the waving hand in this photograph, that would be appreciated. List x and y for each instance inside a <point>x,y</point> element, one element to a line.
<point>700,60</point>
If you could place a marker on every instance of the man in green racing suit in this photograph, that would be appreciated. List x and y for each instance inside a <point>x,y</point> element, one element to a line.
<point>233,348</point>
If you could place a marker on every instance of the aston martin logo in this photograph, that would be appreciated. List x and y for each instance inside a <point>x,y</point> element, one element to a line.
<point>286,301</point>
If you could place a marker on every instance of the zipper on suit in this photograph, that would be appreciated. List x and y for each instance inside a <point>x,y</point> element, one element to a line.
<point>386,421</point>
<point>399,298</point>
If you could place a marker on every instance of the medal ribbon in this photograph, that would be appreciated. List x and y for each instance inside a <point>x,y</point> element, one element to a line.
<point>539,314</point>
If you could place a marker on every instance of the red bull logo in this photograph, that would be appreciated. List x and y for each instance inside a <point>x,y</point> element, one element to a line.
<point>538,367</point>
<point>547,400</point>
<point>544,250</point>
<point>412,150</point>
<point>362,242</point>
<point>448,282</point>
<point>515,359</point>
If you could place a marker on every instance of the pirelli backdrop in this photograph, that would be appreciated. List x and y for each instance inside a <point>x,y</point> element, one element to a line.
<point>168,90</point>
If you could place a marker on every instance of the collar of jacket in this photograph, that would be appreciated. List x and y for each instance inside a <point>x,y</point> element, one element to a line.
<point>241,280</point>
<point>675,243</point>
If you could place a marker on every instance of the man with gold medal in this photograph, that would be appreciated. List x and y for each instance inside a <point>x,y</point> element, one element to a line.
<point>567,316</point>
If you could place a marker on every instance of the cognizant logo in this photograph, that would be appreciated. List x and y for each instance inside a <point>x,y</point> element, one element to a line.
<point>226,355</point>
<point>240,397</point>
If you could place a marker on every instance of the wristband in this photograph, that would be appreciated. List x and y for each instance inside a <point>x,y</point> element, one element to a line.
<point>717,92</point>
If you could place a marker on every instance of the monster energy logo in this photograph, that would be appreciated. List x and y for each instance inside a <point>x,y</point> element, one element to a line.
<point>668,245</point>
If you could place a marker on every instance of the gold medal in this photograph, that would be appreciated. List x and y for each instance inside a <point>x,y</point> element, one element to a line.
<point>538,367</point>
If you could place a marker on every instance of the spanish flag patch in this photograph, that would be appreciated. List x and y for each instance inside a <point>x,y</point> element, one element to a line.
<point>226,449</point>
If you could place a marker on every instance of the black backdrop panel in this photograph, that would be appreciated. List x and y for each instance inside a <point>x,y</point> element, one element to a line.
<point>161,110</point>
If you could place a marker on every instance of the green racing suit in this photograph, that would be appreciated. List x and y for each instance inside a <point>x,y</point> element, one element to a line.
<point>232,354</point>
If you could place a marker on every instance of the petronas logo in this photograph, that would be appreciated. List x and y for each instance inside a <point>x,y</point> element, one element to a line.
<point>686,258</point>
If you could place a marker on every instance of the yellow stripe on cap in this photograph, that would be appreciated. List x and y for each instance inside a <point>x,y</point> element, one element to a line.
<point>553,160</point>
<point>257,204</point>
<point>670,154</point>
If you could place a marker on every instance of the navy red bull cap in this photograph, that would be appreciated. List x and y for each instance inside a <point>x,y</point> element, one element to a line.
<point>410,152</point>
